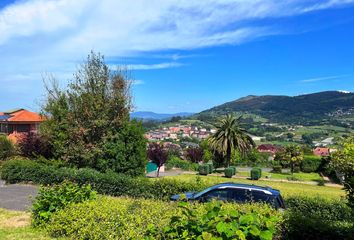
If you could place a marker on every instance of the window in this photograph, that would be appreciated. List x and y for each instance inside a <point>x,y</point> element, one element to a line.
<point>10,129</point>
<point>221,194</point>
<point>3,128</point>
<point>259,196</point>
<point>23,128</point>
<point>240,195</point>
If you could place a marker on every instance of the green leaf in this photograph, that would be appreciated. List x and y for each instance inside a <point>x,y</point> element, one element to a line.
<point>221,227</point>
<point>254,231</point>
<point>206,236</point>
<point>246,219</point>
<point>266,235</point>
<point>241,235</point>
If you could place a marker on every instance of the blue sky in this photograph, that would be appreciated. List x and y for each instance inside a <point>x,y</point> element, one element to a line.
<point>184,55</point>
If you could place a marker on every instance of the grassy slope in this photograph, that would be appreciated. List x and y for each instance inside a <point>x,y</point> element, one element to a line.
<point>287,189</point>
<point>16,225</point>
<point>306,177</point>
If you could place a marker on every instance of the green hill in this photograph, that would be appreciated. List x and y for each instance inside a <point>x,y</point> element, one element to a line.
<point>308,109</point>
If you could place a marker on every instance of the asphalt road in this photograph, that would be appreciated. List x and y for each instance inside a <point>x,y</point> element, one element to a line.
<point>16,196</point>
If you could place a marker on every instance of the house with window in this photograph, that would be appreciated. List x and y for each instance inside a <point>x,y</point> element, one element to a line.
<point>17,122</point>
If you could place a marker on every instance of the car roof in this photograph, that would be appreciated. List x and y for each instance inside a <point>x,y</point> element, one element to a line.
<point>266,190</point>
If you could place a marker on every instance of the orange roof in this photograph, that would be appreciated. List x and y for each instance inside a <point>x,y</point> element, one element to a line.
<point>322,151</point>
<point>23,115</point>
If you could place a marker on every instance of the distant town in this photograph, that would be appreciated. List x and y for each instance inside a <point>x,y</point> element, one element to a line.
<point>178,132</point>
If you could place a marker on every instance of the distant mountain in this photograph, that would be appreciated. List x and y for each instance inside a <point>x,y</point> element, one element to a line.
<point>158,116</point>
<point>298,109</point>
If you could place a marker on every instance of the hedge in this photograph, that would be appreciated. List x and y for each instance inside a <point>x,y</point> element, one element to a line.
<point>211,167</point>
<point>126,218</point>
<point>109,183</point>
<point>204,169</point>
<point>256,173</point>
<point>229,172</point>
<point>317,218</point>
<point>234,169</point>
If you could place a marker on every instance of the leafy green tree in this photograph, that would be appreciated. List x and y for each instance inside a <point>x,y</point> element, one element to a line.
<point>91,116</point>
<point>208,152</point>
<point>125,152</point>
<point>343,162</point>
<point>280,158</point>
<point>158,155</point>
<point>294,155</point>
<point>228,136</point>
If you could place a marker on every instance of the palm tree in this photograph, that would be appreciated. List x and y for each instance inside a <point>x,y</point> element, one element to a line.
<point>228,136</point>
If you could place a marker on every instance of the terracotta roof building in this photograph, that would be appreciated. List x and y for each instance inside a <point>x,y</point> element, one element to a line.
<point>268,148</point>
<point>15,123</point>
<point>321,151</point>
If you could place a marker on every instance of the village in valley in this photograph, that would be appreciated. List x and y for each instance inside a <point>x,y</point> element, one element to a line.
<point>177,120</point>
<point>183,135</point>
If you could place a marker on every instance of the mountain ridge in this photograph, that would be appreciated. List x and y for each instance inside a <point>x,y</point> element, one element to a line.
<point>280,108</point>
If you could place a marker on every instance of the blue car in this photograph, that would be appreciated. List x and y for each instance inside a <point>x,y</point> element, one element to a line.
<point>234,192</point>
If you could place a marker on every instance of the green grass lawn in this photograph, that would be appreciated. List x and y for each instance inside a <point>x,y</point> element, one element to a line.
<point>306,177</point>
<point>16,225</point>
<point>287,189</point>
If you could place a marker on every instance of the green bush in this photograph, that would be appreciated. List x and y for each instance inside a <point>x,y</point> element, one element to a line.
<point>7,148</point>
<point>110,183</point>
<point>311,164</point>
<point>256,173</point>
<point>54,198</point>
<point>176,162</point>
<point>317,218</point>
<point>218,223</point>
<point>124,152</point>
<point>229,172</point>
<point>23,170</point>
<point>277,169</point>
<point>126,218</point>
<point>204,169</point>
<point>111,218</point>
<point>211,167</point>
<point>234,169</point>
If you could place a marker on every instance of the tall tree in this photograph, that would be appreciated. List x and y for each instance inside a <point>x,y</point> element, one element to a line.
<point>230,135</point>
<point>158,155</point>
<point>83,118</point>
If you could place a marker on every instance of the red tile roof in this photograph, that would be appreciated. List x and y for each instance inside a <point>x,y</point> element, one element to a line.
<point>23,115</point>
<point>321,151</point>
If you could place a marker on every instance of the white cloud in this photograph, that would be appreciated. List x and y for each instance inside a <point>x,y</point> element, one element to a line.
<point>322,78</point>
<point>327,4</point>
<point>39,36</point>
<point>122,27</point>
<point>154,66</point>
<point>138,82</point>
